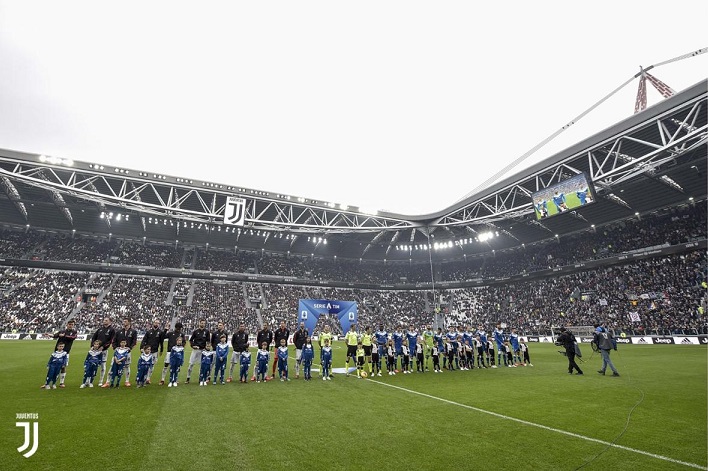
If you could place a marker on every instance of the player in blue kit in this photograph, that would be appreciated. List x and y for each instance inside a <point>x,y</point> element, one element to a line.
<point>467,336</point>
<point>451,337</point>
<point>207,360</point>
<point>483,340</point>
<point>381,336</point>
<point>176,361</point>
<point>262,358</point>
<point>515,348</point>
<point>93,360</point>
<point>245,364</point>
<point>412,337</point>
<point>326,356</point>
<point>145,364</point>
<point>222,355</point>
<point>381,341</point>
<point>120,356</point>
<point>499,340</point>
<point>57,361</point>
<point>542,208</point>
<point>559,202</point>
<point>584,196</point>
<point>282,354</point>
<point>397,337</point>
<point>308,354</point>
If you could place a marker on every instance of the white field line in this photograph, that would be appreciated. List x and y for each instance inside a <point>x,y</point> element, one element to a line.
<point>545,427</point>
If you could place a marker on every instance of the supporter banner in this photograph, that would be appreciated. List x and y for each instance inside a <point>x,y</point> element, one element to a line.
<point>642,341</point>
<point>311,309</point>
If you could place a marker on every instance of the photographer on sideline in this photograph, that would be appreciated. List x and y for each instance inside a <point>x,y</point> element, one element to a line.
<point>567,340</point>
<point>604,341</point>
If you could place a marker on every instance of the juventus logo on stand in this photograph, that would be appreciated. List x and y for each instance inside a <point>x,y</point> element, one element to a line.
<point>32,438</point>
<point>235,211</point>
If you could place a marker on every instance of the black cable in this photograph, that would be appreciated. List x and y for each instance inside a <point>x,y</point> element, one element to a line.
<point>626,426</point>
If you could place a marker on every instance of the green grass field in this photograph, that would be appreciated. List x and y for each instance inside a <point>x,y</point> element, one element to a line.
<point>508,418</point>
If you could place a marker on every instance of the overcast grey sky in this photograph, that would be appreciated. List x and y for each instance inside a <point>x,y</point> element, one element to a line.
<point>398,105</point>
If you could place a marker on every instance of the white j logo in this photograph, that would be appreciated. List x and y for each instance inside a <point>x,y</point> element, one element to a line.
<point>33,440</point>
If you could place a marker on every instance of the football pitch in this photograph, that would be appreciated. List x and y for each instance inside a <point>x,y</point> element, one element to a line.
<point>651,417</point>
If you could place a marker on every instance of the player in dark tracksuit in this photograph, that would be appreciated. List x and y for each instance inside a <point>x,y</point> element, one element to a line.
<point>67,337</point>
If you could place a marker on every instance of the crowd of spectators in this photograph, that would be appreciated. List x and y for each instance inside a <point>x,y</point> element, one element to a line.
<point>139,298</point>
<point>226,261</point>
<point>658,296</point>
<point>77,249</point>
<point>217,302</point>
<point>661,295</point>
<point>42,302</point>
<point>281,303</point>
<point>146,254</point>
<point>18,244</point>
<point>672,226</point>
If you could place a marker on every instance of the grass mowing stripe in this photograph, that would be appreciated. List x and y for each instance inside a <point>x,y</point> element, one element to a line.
<point>545,427</point>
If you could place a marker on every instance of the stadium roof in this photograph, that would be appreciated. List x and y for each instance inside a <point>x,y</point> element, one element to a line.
<point>652,160</point>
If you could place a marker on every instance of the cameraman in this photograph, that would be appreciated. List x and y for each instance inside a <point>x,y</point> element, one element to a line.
<point>605,342</point>
<point>567,340</point>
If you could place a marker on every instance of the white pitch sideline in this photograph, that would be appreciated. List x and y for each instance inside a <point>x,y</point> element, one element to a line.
<point>544,427</point>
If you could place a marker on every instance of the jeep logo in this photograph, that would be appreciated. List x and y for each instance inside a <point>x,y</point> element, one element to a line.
<point>662,341</point>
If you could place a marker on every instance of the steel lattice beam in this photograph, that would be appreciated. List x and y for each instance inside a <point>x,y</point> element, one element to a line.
<point>677,134</point>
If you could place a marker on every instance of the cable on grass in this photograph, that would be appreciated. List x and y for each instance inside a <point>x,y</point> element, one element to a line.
<point>626,425</point>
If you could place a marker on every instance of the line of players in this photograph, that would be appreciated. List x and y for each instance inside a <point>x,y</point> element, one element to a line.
<point>459,348</point>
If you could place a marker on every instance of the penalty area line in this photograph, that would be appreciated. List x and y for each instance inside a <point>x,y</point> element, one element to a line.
<point>544,427</point>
